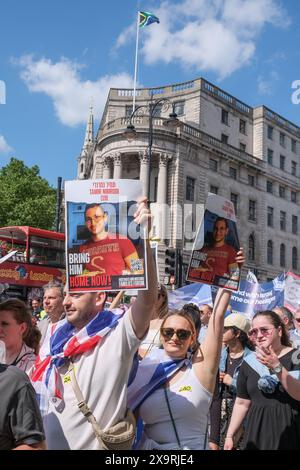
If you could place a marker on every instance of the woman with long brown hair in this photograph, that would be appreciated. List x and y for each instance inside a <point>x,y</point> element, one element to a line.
<point>18,334</point>
<point>268,390</point>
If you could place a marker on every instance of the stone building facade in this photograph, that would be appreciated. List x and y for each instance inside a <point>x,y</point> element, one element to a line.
<point>249,155</point>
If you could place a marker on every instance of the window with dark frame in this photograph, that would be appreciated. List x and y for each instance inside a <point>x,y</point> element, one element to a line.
<point>232,173</point>
<point>282,139</point>
<point>293,196</point>
<point>294,145</point>
<point>242,126</point>
<point>269,186</point>
<point>128,110</point>
<point>282,162</point>
<point>294,224</point>
<point>251,248</point>
<point>252,210</point>
<point>213,164</point>
<point>213,189</point>
<point>282,192</point>
<point>294,168</point>
<point>251,180</point>
<point>295,258</point>
<point>270,156</point>
<point>234,199</point>
<point>282,255</point>
<point>179,108</point>
<point>282,221</point>
<point>224,117</point>
<point>270,132</point>
<point>270,252</point>
<point>190,189</point>
<point>242,147</point>
<point>270,216</point>
<point>224,138</point>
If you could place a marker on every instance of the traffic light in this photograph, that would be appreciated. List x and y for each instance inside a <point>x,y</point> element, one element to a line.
<point>170,262</point>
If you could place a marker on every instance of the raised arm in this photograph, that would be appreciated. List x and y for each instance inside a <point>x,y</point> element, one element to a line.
<point>206,369</point>
<point>142,309</point>
<point>211,348</point>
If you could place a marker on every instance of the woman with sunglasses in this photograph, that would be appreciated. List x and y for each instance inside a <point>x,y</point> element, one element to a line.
<point>173,387</point>
<point>268,390</point>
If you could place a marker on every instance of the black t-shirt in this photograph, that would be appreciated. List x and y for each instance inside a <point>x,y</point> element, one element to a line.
<point>20,418</point>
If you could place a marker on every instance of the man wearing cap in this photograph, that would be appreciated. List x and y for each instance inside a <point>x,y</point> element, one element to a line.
<point>236,347</point>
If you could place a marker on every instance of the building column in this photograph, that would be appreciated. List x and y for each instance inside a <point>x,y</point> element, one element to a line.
<point>162,178</point>
<point>144,171</point>
<point>162,212</point>
<point>106,163</point>
<point>99,166</point>
<point>117,160</point>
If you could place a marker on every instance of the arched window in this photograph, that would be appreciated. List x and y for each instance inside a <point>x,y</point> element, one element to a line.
<point>282,255</point>
<point>81,168</point>
<point>270,252</point>
<point>251,248</point>
<point>295,258</point>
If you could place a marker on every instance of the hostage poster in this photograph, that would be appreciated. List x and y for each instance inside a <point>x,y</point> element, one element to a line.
<point>216,246</point>
<point>105,248</point>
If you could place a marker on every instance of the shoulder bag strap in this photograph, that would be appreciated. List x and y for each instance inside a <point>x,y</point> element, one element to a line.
<point>171,416</point>
<point>83,406</point>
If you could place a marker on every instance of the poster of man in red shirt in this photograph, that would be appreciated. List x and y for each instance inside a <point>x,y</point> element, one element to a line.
<point>213,258</point>
<point>105,249</point>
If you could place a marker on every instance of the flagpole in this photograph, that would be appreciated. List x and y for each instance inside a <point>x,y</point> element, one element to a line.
<point>136,59</point>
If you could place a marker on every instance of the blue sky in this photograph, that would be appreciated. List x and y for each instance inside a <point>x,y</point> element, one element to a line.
<point>55,55</point>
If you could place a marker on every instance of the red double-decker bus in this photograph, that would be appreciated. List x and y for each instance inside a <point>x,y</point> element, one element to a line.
<point>30,258</point>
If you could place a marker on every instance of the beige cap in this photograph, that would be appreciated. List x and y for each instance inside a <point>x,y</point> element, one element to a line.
<point>238,320</point>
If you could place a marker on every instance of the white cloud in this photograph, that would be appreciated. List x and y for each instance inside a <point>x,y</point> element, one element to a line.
<point>266,85</point>
<point>208,35</point>
<point>4,147</point>
<point>70,94</point>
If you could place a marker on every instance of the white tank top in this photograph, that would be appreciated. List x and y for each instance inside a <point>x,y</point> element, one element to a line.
<point>189,403</point>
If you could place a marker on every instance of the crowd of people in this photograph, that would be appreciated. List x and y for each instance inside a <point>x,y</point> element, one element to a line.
<point>75,375</point>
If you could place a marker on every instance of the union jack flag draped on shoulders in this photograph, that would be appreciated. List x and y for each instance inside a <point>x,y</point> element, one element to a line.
<point>67,342</point>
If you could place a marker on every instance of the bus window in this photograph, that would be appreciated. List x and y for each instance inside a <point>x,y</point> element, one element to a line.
<point>47,251</point>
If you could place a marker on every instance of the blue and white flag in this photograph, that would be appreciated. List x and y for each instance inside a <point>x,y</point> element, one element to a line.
<point>198,294</point>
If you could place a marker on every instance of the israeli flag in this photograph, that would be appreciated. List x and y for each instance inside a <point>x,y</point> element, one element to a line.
<point>193,293</point>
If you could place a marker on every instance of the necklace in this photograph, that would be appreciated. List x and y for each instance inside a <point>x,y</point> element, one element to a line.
<point>234,356</point>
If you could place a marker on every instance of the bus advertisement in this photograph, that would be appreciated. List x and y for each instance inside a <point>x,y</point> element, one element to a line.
<point>30,258</point>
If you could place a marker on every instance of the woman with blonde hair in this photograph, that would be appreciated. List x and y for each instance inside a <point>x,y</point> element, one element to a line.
<point>18,334</point>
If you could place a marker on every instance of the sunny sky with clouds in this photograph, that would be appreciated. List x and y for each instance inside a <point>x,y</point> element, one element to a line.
<point>56,56</point>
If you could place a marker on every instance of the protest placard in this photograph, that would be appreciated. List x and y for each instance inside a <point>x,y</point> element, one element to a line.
<point>216,246</point>
<point>105,248</point>
<point>253,297</point>
<point>292,292</point>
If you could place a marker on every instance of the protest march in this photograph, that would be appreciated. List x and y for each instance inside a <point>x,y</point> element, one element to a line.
<point>112,359</point>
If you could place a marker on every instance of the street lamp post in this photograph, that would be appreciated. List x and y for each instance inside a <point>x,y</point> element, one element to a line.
<point>173,122</point>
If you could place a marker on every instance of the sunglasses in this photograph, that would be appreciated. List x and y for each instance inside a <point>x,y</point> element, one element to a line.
<point>181,334</point>
<point>263,331</point>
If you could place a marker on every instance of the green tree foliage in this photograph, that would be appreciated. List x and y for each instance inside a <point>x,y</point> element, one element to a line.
<point>25,197</point>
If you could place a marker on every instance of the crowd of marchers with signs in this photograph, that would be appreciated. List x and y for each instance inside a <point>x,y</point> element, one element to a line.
<point>105,357</point>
